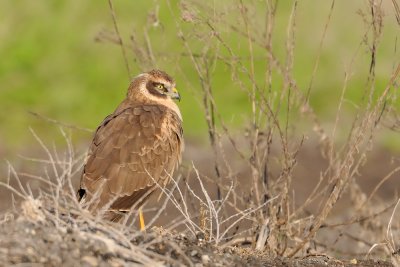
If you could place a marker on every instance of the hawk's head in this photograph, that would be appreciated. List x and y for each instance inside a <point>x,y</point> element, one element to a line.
<point>155,85</point>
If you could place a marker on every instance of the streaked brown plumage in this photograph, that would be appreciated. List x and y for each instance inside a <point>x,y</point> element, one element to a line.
<point>137,146</point>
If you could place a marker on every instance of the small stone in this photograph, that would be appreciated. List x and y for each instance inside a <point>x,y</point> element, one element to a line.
<point>205,259</point>
<point>353,261</point>
<point>30,251</point>
<point>193,253</point>
<point>200,236</point>
<point>63,230</point>
<point>92,261</point>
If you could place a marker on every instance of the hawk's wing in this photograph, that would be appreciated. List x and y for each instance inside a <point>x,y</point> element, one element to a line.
<point>131,152</point>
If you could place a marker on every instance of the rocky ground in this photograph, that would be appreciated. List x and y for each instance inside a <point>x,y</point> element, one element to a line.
<point>39,241</point>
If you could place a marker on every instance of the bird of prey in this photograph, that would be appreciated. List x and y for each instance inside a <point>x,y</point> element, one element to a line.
<point>135,148</point>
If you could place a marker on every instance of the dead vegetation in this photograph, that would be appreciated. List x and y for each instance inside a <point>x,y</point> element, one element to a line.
<point>256,213</point>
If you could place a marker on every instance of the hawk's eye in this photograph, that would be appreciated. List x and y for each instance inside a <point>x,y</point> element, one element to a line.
<point>161,87</point>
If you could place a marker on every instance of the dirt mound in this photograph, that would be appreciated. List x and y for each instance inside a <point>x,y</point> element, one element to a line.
<point>37,235</point>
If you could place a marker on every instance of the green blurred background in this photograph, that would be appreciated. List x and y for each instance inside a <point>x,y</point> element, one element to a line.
<point>51,63</point>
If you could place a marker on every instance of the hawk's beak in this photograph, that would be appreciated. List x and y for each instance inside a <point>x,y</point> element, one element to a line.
<point>175,94</point>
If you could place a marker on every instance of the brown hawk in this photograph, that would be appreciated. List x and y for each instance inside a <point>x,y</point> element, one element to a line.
<point>134,148</point>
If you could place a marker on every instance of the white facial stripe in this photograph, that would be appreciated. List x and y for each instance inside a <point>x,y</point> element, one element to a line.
<point>167,102</point>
